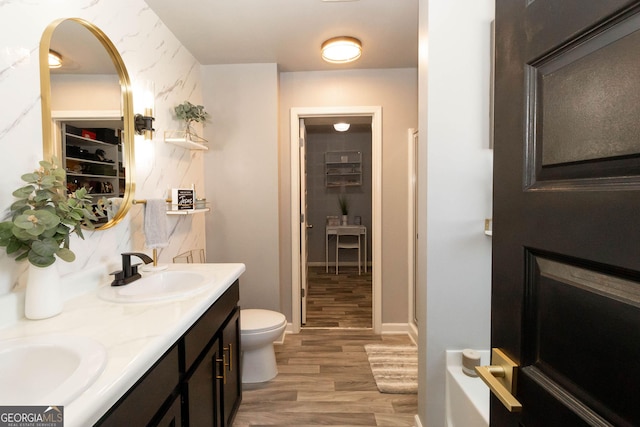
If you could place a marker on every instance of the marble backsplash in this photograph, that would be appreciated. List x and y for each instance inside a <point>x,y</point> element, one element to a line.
<point>150,52</point>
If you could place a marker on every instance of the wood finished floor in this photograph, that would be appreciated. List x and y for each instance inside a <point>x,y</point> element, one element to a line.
<point>324,376</point>
<point>324,379</point>
<point>339,301</point>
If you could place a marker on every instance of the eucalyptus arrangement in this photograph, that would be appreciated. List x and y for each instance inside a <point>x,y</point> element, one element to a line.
<point>44,216</point>
<point>190,113</point>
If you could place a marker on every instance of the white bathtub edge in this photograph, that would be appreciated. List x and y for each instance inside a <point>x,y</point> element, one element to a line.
<point>471,395</point>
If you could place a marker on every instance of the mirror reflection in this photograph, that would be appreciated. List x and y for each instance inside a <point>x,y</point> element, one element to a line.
<point>86,114</point>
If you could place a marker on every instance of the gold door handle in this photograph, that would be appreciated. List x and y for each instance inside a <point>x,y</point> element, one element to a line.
<point>501,379</point>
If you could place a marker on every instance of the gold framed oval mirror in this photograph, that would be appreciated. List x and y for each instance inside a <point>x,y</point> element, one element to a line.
<point>87,114</point>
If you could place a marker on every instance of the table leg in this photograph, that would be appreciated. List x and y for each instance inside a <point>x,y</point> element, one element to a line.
<point>326,253</point>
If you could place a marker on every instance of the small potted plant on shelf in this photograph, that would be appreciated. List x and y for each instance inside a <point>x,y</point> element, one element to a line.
<point>343,202</point>
<point>42,219</point>
<point>190,113</point>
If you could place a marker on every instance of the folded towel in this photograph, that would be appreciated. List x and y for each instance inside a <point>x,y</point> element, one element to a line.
<point>155,224</point>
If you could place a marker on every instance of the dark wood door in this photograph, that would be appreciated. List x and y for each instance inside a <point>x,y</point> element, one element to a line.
<point>566,235</point>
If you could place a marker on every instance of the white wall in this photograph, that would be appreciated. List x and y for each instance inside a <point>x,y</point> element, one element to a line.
<point>149,52</point>
<point>241,175</point>
<point>396,91</point>
<point>455,258</point>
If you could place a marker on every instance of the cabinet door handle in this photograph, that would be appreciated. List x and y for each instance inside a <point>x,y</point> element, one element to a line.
<point>224,371</point>
<point>230,350</point>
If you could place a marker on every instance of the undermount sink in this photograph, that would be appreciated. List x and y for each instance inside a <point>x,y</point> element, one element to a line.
<point>48,370</point>
<point>156,287</point>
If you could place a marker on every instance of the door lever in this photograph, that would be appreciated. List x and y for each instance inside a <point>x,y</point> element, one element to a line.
<point>501,379</point>
<point>309,225</point>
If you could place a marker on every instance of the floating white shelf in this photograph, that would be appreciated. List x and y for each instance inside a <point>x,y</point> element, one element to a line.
<point>184,139</point>
<point>188,211</point>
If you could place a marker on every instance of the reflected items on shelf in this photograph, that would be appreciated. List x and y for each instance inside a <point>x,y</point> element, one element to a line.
<point>93,186</point>
<point>104,134</point>
<point>92,158</point>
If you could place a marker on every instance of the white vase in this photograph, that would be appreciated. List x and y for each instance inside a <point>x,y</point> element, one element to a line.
<point>344,219</point>
<point>43,296</point>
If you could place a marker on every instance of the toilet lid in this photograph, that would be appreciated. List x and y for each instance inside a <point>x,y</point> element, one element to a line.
<point>258,320</point>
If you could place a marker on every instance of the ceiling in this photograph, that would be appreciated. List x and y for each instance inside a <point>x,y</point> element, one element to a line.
<point>290,32</point>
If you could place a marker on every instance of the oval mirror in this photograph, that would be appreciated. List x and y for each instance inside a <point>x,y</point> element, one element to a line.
<point>87,114</point>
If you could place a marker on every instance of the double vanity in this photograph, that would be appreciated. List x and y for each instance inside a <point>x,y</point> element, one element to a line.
<point>163,350</point>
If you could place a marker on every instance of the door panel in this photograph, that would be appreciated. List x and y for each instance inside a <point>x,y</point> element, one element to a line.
<point>566,258</point>
<point>304,235</point>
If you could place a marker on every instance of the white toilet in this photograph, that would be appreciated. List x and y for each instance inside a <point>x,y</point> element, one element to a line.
<point>258,330</point>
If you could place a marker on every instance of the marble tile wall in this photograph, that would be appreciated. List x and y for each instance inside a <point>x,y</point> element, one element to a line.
<point>150,52</point>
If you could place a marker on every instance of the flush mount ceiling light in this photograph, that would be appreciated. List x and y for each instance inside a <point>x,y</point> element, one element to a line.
<point>55,59</point>
<point>340,50</point>
<point>341,127</point>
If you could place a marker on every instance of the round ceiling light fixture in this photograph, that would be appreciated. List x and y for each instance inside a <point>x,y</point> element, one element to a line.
<point>340,50</point>
<point>341,127</point>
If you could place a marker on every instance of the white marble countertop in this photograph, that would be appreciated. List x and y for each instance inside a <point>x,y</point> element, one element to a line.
<point>135,334</point>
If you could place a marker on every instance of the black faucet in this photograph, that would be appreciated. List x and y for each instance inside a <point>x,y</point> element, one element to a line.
<point>129,272</point>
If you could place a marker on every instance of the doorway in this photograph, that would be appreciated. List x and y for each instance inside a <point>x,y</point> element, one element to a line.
<point>337,176</point>
<point>299,222</point>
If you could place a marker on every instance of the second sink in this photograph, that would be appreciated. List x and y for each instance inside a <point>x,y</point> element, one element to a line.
<point>48,370</point>
<point>156,287</point>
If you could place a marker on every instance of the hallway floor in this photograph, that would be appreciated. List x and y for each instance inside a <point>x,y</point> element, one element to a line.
<point>324,379</point>
<point>339,301</point>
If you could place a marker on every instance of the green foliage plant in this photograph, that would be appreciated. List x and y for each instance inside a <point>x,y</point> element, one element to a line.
<point>189,113</point>
<point>343,202</point>
<point>44,216</point>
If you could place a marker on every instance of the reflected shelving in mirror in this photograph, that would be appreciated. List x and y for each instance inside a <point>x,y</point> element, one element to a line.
<point>90,91</point>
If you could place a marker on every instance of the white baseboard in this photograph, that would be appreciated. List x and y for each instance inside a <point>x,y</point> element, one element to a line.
<point>395,328</point>
<point>387,328</point>
<point>413,332</point>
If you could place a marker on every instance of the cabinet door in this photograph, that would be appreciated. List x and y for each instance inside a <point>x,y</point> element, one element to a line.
<point>203,390</point>
<point>232,382</point>
<point>141,404</point>
<point>173,416</point>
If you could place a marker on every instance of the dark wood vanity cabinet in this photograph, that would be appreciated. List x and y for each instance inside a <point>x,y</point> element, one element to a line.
<point>197,382</point>
<point>212,384</point>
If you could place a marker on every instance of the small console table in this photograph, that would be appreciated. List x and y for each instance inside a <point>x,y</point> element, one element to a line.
<point>332,230</point>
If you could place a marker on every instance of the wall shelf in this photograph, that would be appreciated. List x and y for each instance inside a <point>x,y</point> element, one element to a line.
<point>188,211</point>
<point>343,168</point>
<point>184,139</point>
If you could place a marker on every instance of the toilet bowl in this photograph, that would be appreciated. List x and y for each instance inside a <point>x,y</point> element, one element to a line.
<point>258,330</point>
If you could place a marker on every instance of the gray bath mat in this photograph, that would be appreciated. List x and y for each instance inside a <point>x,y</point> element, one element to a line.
<point>394,367</point>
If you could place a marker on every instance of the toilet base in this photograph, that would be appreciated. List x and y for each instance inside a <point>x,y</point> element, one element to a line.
<point>259,364</point>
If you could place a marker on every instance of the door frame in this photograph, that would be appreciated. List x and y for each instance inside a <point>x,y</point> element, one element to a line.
<point>375,234</point>
<point>412,136</point>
